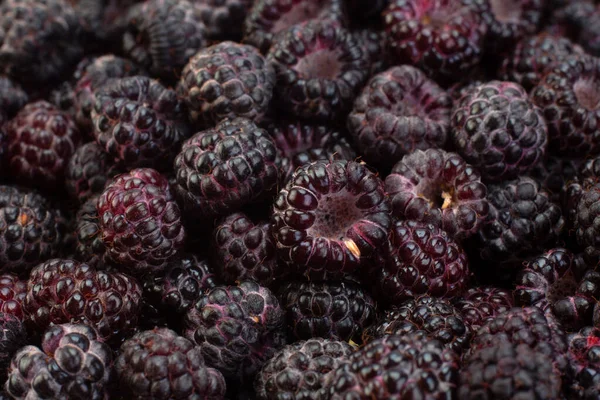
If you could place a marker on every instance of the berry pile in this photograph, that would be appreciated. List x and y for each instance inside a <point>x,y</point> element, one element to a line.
<point>300,199</point>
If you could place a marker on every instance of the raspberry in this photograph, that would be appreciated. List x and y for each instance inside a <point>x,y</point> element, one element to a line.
<point>554,173</point>
<point>373,43</point>
<point>399,110</point>
<point>499,131</point>
<point>569,100</point>
<point>12,339</point>
<point>440,188</point>
<point>300,370</point>
<point>267,18</point>
<point>579,20</point>
<point>40,141</point>
<point>320,67</point>
<point>140,122</point>
<point>442,37</point>
<point>584,349</point>
<point>245,251</point>
<point>140,221</point>
<point>88,171</point>
<point>534,56</point>
<point>395,367</point>
<point>579,307</point>
<point>227,80</point>
<point>481,304</point>
<point>333,310</point>
<point>73,363</point>
<point>61,291</point>
<point>237,328</point>
<point>330,217</point>
<point>422,259</point>
<point>12,295</point>
<point>159,364</point>
<point>224,19</point>
<point>89,247</point>
<point>39,39</point>
<point>102,20</point>
<point>162,35</point>
<point>220,170</point>
<point>31,230</point>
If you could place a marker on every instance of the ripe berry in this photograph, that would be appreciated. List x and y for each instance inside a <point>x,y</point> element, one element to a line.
<point>481,304</point>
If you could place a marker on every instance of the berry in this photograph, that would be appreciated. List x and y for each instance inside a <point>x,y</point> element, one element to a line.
<point>437,317</point>
<point>373,43</point>
<point>162,35</point>
<point>73,363</point>
<point>397,367</point>
<point>13,337</point>
<point>330,217</point>
<point>227,80</point>
<point>506,370</point>
<point>399,110</point>
<point>534,56</point>
<point>522,220</point>
<point>62,291</point>
<point>422,259</point>
<point>442,37</point>
<point>320,67</point>
<point>12,97</point>
<point>102,20</point>
<point>584,348</point>
<point>245,251</point>
<point>140,221</point>
<point>337,310</point>
<point>88,172</point>
<point>159,364</point>
<point>267,18</point>
<point>579,306</point>
<point>31,230</point>
<point>585,222</point>
<point>179,285</point>
<point>39,39</point>
<point>299,370</point>
<point>237,328</point>
<point>439,188</point>
<point>554,173</point>
<point>497,129</point>
<point>40,141</point>
<point>569,100</point>
<point>140,122</point>
<point>481,304</point>
<point>579,20</point>
<point>89,247</point>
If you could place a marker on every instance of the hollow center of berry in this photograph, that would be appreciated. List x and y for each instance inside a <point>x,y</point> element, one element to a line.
<point>563,287</point>
<point>506,10</point>
<point>440,196</point>
<point>587,91</point>
<point>335,214</point>
<point>300,12</point>
<point>322,64</point>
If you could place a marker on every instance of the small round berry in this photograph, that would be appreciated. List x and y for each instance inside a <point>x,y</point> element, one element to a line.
<point>480,304</point>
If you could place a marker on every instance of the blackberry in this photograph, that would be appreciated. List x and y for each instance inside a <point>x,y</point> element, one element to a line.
<point>39,40</point>
<point>62,291</point>
<point>245,251</point>
<point>442,37</point>
<point>90,76</point>
<point>89,247</point>
<point>437,317</point>
<point>162,35</point>
<point>534,56</point>
<point>220,170</point>
<point>159,364</point>
<point>227,80</point>
<point>88,172</point>
<point>13,337</point>
<point>140,122</point>
<point>12,97</point>
<point>481,304</point>
<point>40,141</point>
<point>320,67</point>
<point>140,221</point>
<point>267,18</point>
<point>570,104</point>
<point>509,371</point>
<point>303,143</point>
<point>338,310</point>
<point>223,19</point>
<point>237,328</point>
<point>31,230</point>
<point>422,259</point>
<point>395,367</point>
<point>300,370</point>
<point>497,129</point>
<point>12,294</point>
<point>522,220</point>
<point>179,285</point>
<point>330,218</point>
<point>439,188</point>
<point>73,363</point>
<point>399,110</point>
